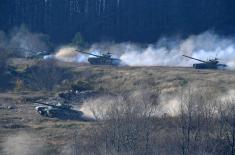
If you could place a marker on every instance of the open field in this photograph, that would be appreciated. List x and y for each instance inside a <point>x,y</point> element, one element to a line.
<point>19,117</point>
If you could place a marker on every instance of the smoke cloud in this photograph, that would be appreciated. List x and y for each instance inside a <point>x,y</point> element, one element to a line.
<point>22,42</point>
<point>69,54</point>
<point>98,108</point>
<point>167,51</point>
<point>23,144</point>
<point>165,104</point>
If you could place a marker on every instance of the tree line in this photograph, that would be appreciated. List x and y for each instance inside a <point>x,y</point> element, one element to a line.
<point>118,20</point>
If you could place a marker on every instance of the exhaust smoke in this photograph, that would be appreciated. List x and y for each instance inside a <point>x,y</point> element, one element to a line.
<point>169,53</point>
<point>102,108</point>
<point>165,52</point>
<point>69,54</point>
<point>23,42</point>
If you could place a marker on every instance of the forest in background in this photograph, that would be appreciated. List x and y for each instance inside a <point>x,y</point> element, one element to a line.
<point>143,21</point>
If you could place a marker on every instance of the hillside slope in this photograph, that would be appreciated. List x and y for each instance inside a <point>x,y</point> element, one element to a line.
<point>21,117</point>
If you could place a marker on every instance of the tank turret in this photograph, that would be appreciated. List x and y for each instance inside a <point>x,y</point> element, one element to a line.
<point>210,64</point>
<point>104,59</point>
<point>59,110</point>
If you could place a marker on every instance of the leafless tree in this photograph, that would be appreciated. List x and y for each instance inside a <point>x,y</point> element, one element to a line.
<point>196,121</point>
<point>227,127</point>
<point>126,127</point>
<point>129,125</point>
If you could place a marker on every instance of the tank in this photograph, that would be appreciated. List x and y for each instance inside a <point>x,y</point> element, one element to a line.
<point>104,59</point>
<point>210,64</point>
<point>60,111</point>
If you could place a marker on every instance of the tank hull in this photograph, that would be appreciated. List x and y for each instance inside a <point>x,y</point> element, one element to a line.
<point>103,61</point>
<point>209,66</point>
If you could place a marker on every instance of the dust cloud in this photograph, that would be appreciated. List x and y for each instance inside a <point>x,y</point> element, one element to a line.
<point>22,42</point>
<point>23,144</point>
<point>167,104</point>
<point>98,108</point>
<point>168,52</point>
<point>165,52</point>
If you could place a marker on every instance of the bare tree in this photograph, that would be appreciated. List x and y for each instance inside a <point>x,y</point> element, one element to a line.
<point>185,123</point>
<point>126,127</point>
<point>227,127</point>
<point>196,121</point>
<point>129,125</point>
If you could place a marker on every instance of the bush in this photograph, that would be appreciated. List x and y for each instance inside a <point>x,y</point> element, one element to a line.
<point>125,126</point>
<point>81,86</point>
<point>46,75</point>
<point>201,125</point>
<point>19,85</point>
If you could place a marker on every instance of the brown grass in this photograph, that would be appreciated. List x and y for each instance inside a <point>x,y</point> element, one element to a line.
<point>117,80</point>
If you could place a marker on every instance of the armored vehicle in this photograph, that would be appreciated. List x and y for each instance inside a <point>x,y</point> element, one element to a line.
<point>61,111</point>
<point>27,53</point>
<point>104,59</point>
<point>210,64</point>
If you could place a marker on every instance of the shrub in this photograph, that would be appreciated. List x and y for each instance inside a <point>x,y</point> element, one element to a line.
<point>81,86</point>
<point>46,75</point>
<point>19,85</point>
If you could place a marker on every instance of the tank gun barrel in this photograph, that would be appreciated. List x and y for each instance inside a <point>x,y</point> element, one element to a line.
<point>194,58</point>
<point>88,53</point>
<point>41,103</point>
<point>54,106</point>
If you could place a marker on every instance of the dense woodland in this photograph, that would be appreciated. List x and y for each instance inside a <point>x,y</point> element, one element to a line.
<point>118,20</point>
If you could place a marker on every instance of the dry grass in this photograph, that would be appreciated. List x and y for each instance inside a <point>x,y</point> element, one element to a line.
<point>117,80</point>
<point>167,80</point>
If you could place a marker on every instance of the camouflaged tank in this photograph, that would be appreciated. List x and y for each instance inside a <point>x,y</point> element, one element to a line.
<point>104,59</point>
<point>210,64</point>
